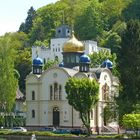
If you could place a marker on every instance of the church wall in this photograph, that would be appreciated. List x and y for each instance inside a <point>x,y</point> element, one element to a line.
<point>49,78</point>
<point>30,120</point>
<point>105,78</point>
<point>31,79</point>
<point>32,98</point>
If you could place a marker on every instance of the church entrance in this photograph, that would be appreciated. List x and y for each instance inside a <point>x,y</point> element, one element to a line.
<point>56,116</point>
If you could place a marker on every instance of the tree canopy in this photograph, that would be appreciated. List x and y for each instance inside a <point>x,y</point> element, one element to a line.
<point>129,63</point>
<point>8,81</point>
<point>82,94</point>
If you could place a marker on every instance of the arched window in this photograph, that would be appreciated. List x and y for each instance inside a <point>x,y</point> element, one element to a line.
<point>51,92</point>
<point>56,97</point>
<point>91,114</point>
<point>44,61</point>
<point>33,95</point>
<point>105,91</point>
<point>60,92</point>
<point>56,58</point>
<point>33,113</point>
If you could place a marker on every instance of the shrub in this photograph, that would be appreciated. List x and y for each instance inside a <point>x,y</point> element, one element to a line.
<point>132,122</point>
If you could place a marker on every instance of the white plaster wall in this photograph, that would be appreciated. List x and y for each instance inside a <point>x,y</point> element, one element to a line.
<point>105,77</point>
<point>48,78</point>
<point>90,46</point>
<point>32,105</point>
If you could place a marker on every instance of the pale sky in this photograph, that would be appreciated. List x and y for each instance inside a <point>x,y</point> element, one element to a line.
<point>14,12</point>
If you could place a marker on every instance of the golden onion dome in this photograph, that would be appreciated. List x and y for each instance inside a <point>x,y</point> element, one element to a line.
<point>73,45</point>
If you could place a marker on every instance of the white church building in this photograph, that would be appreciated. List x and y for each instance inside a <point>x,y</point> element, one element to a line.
<point>45,90</point>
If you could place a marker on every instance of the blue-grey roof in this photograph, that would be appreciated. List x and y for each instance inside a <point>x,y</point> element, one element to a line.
<point>107,64</point>
<point>84,59</point>
<point>37,61</point>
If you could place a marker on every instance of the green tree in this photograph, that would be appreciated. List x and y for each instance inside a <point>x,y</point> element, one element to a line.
<point>89,24</point>
<point>47,19</point>
<point>50,63</point>
<point>112,12</point>
<point>132,11</point>
<point>129,63</point>
<point>53,15</point>
<point>8,81</point>
<point>24,66</point>
<point>26,27</point>
<point>82,94</point>
<point>132,121</point>
<point>113,42</point>
<point>22,56</point>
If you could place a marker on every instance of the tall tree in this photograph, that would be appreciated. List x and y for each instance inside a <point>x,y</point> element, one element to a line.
<point>82,94</point>
<point>112,11</point>
<point>89,24</point>
<point>26,27</point>
<point>132,11</point>
<point>23,56</point>
<point>8,81</point>
<point>129,64</point>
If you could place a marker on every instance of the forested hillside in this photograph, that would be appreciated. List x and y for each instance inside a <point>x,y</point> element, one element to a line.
<point>114,24</point>
<point>91,19</point>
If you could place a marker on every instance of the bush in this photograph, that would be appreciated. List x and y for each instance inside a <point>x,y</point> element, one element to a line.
<point>132,122</point>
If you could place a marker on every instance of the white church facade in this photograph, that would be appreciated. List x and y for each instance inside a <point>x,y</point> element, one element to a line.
<point>46,100</point>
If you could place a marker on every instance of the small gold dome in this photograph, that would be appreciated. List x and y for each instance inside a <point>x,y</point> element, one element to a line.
<point>73,45</point>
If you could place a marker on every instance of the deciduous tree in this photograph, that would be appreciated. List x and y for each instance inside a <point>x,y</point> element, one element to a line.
<point>82,94</point>
<point>8,81</point>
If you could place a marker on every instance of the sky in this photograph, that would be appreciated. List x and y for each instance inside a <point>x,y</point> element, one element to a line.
<point>14,12</point>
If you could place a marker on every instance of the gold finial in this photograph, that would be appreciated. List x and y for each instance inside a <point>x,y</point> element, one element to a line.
<point>73,45</point>
<point>72,34</point>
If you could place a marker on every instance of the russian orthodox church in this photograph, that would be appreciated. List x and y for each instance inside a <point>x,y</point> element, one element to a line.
<point>46,100</point>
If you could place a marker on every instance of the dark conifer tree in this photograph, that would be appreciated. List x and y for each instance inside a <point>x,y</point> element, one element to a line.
<point>129,64</point>
<point>26,27</point>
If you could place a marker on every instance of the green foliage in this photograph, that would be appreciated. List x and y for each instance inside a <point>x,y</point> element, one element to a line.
<point>111,38</point>
<point>26,27</point>
<point>47,19</point>
<point>18,121</point>
<point>132,121</point>
<point>89,24</point>
<point>136,108</point>
<point>129,62</point>
<point>110,113</point>
<point>23,61</point>
<point>41,43</point>
<point>11,121</point>
<point>50,63</point>
<point>132,11</point>
<point>22,56</point>
<point>113,41</point>
<point>112,11</point>
<point>82,94</point>
<point>98,58</point>
<point>8,81</point>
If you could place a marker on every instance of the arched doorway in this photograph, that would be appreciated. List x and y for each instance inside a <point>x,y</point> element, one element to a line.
<point>56,116</point>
